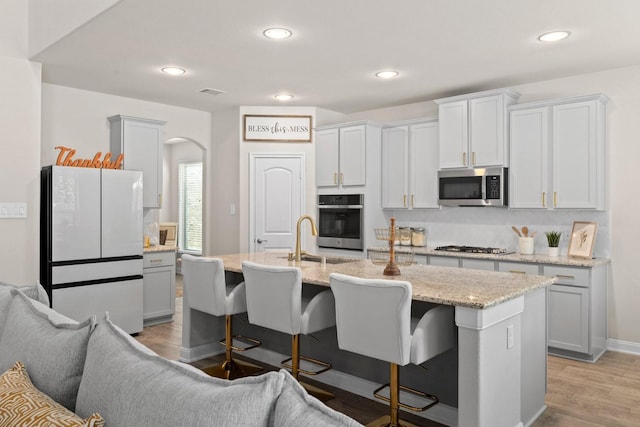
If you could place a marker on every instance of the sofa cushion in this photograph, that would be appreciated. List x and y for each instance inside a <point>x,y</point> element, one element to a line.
<point>295,407</point>
<point>35,292</point>
<point>131,387</point>
<point>53,352</point>
<point>22,404</point>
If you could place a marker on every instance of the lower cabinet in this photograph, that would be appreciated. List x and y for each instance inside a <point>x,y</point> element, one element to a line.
<point>159,287</point>
<point>577,312</point>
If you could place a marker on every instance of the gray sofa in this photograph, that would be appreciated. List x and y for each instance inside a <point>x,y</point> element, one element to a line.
<point>95,367</point>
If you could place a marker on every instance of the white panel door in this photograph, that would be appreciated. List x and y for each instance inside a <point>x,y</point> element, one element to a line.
<point>395,167</point>
<point>75,213</point>
<point>122,222</point>
<point>277,203</point>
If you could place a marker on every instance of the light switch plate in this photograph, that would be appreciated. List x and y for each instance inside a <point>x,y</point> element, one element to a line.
<point>13,210</point>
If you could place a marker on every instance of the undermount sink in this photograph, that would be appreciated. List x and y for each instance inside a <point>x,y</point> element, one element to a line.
<point>329,260</point>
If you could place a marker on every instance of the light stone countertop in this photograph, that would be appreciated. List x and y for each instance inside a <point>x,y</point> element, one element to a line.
<point>514,257</point>
<point>160,248</point>
<point>477,289</point>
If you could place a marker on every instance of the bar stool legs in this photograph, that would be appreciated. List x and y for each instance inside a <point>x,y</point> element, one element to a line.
<point>231,369</point>
<point>318,393</point>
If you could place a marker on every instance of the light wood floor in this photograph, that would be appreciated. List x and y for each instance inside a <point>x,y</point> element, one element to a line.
<point>579,394</point>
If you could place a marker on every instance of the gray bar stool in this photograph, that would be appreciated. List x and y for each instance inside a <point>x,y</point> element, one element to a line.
<point>373,318</point>
<point>275,301</point>
<point>205,290</point>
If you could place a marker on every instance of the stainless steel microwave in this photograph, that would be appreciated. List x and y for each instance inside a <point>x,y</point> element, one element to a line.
<point>474,187</point>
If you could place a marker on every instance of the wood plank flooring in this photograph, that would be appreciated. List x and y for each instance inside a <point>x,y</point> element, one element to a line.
<point>604,394</point>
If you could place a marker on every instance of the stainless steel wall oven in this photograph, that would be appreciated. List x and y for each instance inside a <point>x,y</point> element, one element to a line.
<point>340,221</point>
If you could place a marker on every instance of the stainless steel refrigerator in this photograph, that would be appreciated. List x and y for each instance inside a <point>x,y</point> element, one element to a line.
<point>91,243</point>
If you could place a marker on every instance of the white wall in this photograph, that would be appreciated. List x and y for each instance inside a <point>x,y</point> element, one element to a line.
<point>20,145</point>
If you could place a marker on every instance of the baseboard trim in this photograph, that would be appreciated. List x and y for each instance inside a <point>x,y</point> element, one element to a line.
<point>188,355</point>
<point>623,346</point>
<point>440,413</point>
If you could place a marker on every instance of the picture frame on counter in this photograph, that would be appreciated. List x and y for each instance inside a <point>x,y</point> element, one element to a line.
<point>582,239</point>
<point>276,128</point>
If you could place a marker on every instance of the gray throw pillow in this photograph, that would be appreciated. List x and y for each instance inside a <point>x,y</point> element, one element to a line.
<point>54,353</point>
<point>35,292</point>
<point>295,407</point>
<point>131,387</point>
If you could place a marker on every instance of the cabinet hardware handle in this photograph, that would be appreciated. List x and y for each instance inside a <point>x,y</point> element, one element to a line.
<point>404,200</point>
<point>473,158</point>
<point>335,178</point>
<point>464,159</point>
<point>517,271</point>
<point>341,178</point>
<point>412,200</point>
<point>564,276</point>
<point>555,199</point>
<point>155,260</point>
<point>544,199</point>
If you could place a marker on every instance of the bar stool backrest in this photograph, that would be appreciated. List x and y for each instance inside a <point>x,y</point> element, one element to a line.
<point>373,317</point>
<point>274,296</point>
<point>204,284</point>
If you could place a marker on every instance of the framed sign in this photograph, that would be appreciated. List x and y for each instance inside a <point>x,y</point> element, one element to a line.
<point>582,239</point>
<point>261,128</point>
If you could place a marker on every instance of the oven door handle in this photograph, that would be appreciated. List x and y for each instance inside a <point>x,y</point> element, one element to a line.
<point>339,206</point>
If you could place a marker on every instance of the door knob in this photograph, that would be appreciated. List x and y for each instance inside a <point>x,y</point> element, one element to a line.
<point>261,241</point>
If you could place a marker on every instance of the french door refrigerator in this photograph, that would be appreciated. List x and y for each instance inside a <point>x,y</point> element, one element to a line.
<point>91,243</point>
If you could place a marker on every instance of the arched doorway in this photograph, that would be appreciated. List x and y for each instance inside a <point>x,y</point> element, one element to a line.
<point>183,157</point>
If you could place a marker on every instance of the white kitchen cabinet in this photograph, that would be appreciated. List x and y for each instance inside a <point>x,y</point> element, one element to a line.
<point>444,261</point>
<point>159,287</point>
<point>474,129</point>
<point>341,154</point>
<point>577,317</point>
<point>558,154</point>
<point>478,264</point>
<point>410,165</point>
<point>140,140</point>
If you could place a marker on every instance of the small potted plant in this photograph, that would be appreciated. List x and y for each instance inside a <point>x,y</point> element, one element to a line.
<point>553,239</point>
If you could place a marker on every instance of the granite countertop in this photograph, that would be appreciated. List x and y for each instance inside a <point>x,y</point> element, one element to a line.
<point>160,248</point>
<point>514,257</point>
<point>441,285</point>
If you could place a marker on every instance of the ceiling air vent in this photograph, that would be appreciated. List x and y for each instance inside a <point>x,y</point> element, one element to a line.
<point>210,91</point>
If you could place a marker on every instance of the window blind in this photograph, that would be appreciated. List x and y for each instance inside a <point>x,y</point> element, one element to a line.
<point>190,207</point>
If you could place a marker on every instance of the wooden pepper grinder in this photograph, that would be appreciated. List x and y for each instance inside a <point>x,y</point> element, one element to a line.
<point>392,269</point>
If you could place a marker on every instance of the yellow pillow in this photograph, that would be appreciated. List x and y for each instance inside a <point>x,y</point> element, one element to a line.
<point>22,404</point>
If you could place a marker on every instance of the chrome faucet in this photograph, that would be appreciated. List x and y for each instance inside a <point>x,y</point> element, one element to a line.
<point>314,231</point>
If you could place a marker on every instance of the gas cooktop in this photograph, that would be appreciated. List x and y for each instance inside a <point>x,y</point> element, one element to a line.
<point>473,249</point>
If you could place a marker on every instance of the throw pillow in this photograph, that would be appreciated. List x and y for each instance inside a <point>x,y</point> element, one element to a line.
<point>295,407</point>
<point>22,404</point>
<point>131,387</point>
<point>54,352</point>
<point>35,292</point>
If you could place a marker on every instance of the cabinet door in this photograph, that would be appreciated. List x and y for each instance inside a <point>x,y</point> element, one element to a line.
<point>487,139</point>
<point>575,175</point>
<point>143,151</point>
<point>327,154</point>
<point>444,261</point>
<point>529,173</point>
<point>454,135</point>
<point>352,155</point>
<point>395,170</point>
<point>159,292</point>
<point>423,165</point>
<point>569,318</point>
<point>478,264</point>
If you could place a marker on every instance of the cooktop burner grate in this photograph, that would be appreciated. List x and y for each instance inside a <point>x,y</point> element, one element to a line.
<point>472,249</point>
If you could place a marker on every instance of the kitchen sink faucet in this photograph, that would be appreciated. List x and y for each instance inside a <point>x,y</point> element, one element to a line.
<point>314,232</point>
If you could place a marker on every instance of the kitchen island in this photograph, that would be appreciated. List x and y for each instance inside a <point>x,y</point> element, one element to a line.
<point>499,374</point>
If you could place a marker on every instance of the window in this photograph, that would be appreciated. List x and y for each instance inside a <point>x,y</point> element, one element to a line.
<point>190,207</point>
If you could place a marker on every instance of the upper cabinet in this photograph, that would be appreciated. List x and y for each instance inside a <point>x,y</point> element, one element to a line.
<point>341,154</point>
<point>140,140</point>
<point>474,129</point>
<point>410,165</point>
<point>558,154</point>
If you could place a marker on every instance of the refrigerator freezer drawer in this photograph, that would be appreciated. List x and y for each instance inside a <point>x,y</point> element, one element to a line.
<point>123,301</point>
<point>95,271</point>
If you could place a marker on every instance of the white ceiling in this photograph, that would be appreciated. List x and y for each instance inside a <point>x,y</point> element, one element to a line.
<point>440,48</point>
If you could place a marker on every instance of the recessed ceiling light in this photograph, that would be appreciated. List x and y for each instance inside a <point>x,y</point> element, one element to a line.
<point>173,71</point>
<point>554,36</point>
<point>284,97</point>
<point>387,74</point>
<point>277,33</point>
